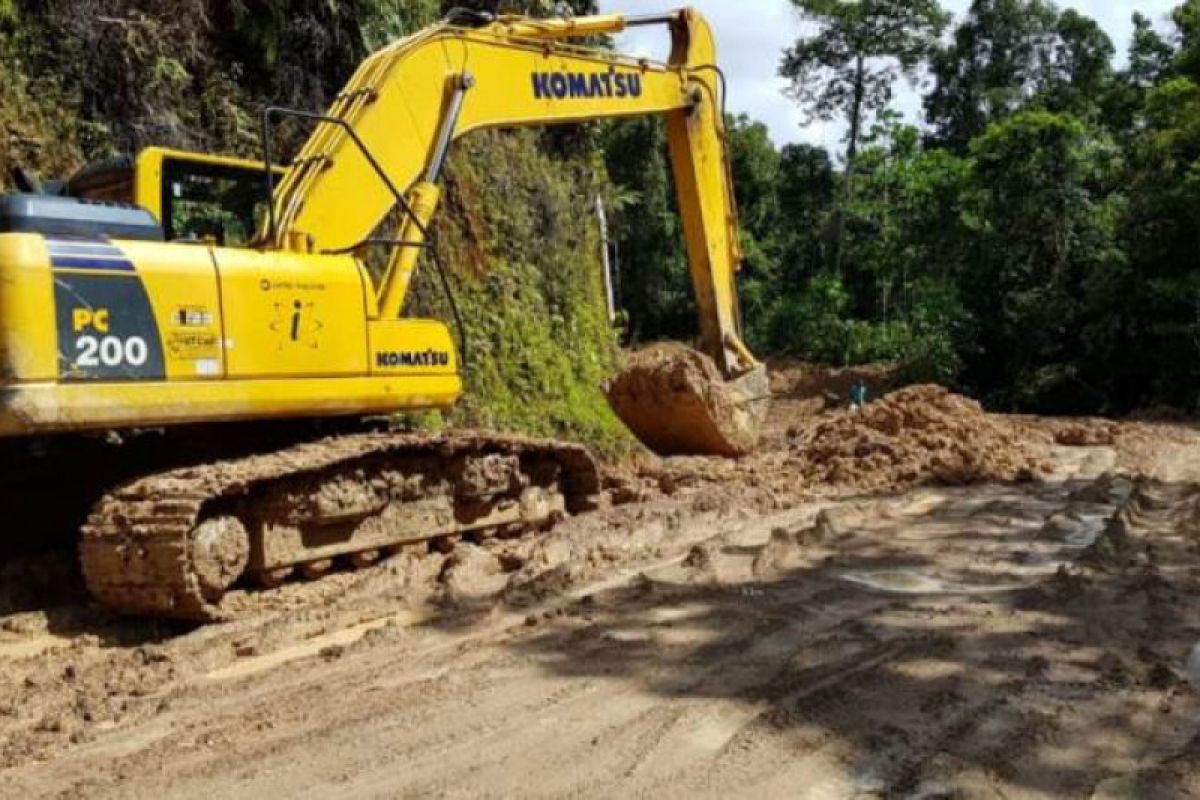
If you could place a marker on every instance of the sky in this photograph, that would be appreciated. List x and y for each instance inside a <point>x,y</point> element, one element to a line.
<point>752,35</point>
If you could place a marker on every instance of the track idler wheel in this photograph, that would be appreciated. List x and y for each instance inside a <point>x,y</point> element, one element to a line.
<point>220,553</point>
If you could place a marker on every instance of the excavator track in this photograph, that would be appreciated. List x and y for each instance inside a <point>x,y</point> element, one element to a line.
<point>171,544</point>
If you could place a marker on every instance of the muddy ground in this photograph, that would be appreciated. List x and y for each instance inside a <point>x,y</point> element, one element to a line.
<point>736,631</point>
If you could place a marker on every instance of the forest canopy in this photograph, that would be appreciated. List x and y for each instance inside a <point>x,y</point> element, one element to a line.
<point>1032,239</point>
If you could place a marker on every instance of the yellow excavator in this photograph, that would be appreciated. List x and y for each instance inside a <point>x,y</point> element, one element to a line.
<point>182,290</point>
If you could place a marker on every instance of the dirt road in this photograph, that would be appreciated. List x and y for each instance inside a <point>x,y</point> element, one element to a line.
<point>735,633</point>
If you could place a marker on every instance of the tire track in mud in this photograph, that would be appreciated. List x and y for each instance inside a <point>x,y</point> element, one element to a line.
<point>646,727</point>
<point>212,638</point>
<point>999,729</point>
<point>638,731</point>
<point>619,715</point>
<point>342,722</point>
<point>736,659</point>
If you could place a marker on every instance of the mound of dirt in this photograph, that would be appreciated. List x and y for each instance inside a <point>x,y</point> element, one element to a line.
<point>801,379</point>
<point>918,435</point>
<point>1087,435</point>
<point>675,400</point>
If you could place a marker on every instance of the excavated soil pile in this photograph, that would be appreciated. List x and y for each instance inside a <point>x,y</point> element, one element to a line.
<point>918,435</point>
<point>1097,434</point>
<point>802,379</point>
<point>676,402</point>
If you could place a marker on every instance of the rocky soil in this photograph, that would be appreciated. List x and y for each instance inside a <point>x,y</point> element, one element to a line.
<point>917,435</point>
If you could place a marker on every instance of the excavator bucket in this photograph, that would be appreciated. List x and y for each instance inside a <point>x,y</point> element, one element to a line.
<point>675,400</point>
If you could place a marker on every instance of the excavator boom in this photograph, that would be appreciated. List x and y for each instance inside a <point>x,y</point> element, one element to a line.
<point>408,102</point>
<point>384,143</point>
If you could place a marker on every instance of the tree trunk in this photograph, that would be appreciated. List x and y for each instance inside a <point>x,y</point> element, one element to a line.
<point>856,109</point>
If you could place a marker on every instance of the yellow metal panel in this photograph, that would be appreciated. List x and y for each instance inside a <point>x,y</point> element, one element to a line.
<point>48,407</point>
<point>147,181</point>
<point>571,27</point>
<point>412,347</point>
<point>182,283</point>
<point>287,314</point>
<point>28,350</point>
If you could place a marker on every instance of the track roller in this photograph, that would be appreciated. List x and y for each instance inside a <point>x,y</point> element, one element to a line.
<point>315,570</point>
<point>364,559</point>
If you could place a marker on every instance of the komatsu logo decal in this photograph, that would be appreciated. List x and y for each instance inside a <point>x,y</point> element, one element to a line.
<point>427,358</point>
<point>586,85</point>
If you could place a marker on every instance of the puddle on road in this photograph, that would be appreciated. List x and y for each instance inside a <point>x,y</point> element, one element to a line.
<point>1088,531</point>
<point>1192,668</point>
<point>906,581</point>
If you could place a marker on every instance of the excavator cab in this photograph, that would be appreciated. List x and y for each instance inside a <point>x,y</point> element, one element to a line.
<point>221,200</point>
<point>194,196</point>
<point>159,195</point>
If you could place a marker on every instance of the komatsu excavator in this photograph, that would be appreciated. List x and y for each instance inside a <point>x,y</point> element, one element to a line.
<point>178,289</point>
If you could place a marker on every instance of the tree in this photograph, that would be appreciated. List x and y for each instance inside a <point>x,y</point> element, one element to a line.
<point>1159,308</point>
<point>1151,60</point>
<point>1080,70</point>
<point>850,66</point>
<point>755,163</point>
<point>990,69</point>
<point>806,193</point>
<point>1187,26</point>
<point>655,288</point>
<point>906,223</point>
<point>1044,219</point>
<point>1150,55</point>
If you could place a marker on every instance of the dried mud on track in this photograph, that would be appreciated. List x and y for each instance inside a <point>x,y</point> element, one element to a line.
<point>736,632</point>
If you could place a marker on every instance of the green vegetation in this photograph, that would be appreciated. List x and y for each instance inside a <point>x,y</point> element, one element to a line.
<point>1033,242</point>
<point>528,280</point>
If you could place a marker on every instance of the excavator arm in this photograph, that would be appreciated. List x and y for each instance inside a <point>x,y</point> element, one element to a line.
<point>385,140</point>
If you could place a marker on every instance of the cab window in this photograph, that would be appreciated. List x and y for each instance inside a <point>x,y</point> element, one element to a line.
<point>219,203</point>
